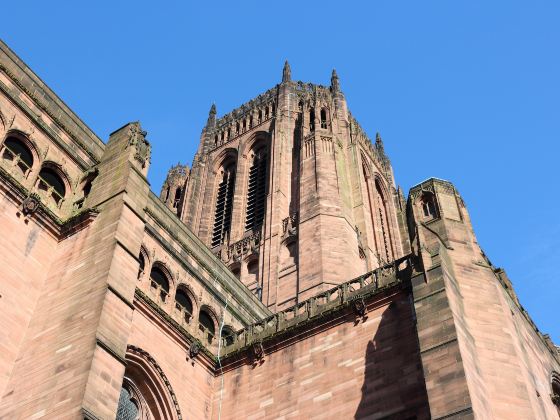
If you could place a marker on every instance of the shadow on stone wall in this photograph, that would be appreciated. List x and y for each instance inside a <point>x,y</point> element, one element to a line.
<point>394,386</point>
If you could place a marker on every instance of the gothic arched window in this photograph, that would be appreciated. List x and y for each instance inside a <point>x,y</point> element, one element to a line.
<point>160,282</point>
<point>146,392</point>
<point>206,325</point>
<point>14,147</point>
<point>228,336</point>
<point>256,189</point>
<point>555,388</point>
<point>177,198</point>
<point>49,178</point>
<point>224,204</point>
<point>429,206</point>
<point>323,118</point>
<point>312,119</point>
<point>184,303</point>
<point>128,408</point>
<point>383,222</point>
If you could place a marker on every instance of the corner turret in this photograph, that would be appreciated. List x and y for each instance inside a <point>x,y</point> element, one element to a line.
<point>335,83</point>
<point>286,73</point>
<point>174,187</point>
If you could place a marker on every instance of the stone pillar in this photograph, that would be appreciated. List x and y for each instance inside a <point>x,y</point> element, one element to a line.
<point>72,359</point>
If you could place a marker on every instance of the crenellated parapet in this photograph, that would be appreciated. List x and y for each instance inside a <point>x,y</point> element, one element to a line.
<point>248,116</point>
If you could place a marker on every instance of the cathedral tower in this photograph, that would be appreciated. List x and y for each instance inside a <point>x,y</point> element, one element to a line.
<point>292,194</point>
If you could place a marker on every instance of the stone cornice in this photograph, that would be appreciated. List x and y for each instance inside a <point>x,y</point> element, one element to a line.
<point>48,101</point>
<point>60,228</point>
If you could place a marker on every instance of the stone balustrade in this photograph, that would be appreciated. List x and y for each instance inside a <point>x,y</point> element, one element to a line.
<point>319,305</point>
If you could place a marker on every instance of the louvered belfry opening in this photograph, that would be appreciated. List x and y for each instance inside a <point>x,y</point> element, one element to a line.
<point>256,190</point>
<point>224,205</point>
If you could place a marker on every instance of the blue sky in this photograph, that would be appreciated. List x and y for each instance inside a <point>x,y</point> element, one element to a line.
<point>467,91</point>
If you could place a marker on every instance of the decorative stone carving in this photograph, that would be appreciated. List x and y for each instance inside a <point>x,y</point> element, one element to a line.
<point>289,228</point>
<point>30,205</point>
<point>240,249</point>
<point>137,139</point>
<point>257,350</point>
<point>194,349</point>
<point>361,248</point>
<point>359,306</point>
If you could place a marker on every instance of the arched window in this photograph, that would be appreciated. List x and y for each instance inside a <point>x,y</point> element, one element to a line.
<point>251,121</point>
<point>206,325</point>
<point>237,128</point>
<point>146,392</point>
<point>312,119</point>
<point>128,408</point>
<point>236,270</point>
<point>429,206</point>
<point>15,148</point>
<point>383,223</point>
<point>555,387</point>
<point>229,133</point>
<point>252,273</point>
<point>159,281</point>
<point>228,336</point>
<point>49,178</point>
<point>224,204</point>
<point>216,140</point>
<point>244,125</point>
<point>266,112</point>
<point>177,198</point>
<point>87,188</point>
<point>323,118</point>
<point>256,189</point>
<point>260,117</point>
<point>183,303</point>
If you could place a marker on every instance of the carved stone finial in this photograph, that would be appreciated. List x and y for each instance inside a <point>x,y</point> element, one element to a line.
<point>137,139</point>
<point>379,144</point>
<point>286,72</point>
<point>211,116</point>
<point>335,84</point>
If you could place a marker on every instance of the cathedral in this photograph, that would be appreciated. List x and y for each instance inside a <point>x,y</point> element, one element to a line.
<point>283,275</point>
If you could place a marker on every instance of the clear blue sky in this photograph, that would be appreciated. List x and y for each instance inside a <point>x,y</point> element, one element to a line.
<point>467,91</point>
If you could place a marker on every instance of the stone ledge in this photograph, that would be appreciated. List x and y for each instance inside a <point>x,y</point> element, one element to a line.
<point>322,307</point>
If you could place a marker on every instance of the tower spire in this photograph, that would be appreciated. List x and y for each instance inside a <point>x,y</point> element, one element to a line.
<point>286,72</point>
<point>211,116</point>
<point>335,84</point>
